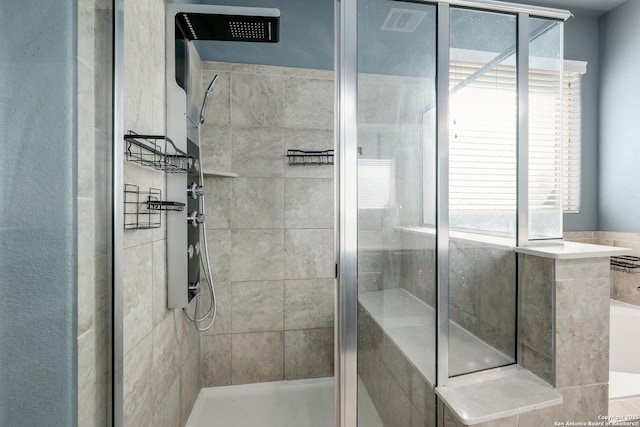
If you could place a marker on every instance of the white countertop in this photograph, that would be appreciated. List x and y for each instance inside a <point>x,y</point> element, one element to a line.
<point>497,395</point>
<point>572,250</point>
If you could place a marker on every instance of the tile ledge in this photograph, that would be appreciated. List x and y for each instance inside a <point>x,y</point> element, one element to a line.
<point>572,250</point>
<point>219,174</point>
<point>492,396</point>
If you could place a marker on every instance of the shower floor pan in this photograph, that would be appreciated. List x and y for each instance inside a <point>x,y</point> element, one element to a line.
<point>299,403</point>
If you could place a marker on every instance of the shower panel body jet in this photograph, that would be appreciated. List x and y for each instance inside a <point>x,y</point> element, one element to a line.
<point>185,23</point>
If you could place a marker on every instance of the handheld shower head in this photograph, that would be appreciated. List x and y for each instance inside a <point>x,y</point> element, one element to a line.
<point>206,97</point>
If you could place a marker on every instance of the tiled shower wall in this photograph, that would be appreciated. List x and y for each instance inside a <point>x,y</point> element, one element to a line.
<point>270,229</point>
<point>624,286</point>
<point>161,348</point>
<point>93,192</point>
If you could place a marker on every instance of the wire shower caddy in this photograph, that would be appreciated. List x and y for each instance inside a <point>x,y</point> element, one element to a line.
<point>158,152</point>
<point>303,158</point>
<point>143,209</point>
<point>626,264</point>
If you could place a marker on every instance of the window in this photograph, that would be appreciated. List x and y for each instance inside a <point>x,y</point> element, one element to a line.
<point>482,151</point>
<point>482,146</point>
<point>483,136</point>
<point>375,183</point>
<point>573,71</point>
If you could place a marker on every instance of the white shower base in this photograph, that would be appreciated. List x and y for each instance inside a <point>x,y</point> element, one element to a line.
<point>299,403</point>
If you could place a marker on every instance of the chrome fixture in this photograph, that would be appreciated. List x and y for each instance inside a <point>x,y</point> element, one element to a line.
<point>195,190</point>
<point>207,94</point>
<point>195,218</point>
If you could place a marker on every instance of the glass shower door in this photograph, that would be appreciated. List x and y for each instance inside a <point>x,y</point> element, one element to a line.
<point>443,153</point>
<point>483,133</point>
<point>396,213</point>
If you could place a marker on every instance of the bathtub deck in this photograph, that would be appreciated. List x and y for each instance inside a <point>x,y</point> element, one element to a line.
<point>299,403</point>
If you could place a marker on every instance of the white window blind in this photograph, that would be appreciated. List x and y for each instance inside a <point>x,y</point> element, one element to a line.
<point>545,143</point>
<point>375,183</point>
<point>572,136</point>
<point>483,132</point>
<point>483,139</point>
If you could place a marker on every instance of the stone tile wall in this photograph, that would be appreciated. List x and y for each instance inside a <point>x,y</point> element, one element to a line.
<point>565,335</point>
<point>564,317</point>
<point>564,339</point>
<point>400,393</point>
<point>270,230</point>
<point>161,347</point>
<point>482,292</point>
<point>482,283</point>
<point>536,329</point>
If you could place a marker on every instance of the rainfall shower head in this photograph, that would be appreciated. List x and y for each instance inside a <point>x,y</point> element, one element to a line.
<point>227,27</point>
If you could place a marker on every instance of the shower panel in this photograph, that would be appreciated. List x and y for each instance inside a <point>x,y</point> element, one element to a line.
<point>186,234</point>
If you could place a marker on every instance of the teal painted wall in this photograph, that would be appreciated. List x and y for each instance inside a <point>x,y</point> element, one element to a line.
<point>37,213</point>
<point>619,193</point>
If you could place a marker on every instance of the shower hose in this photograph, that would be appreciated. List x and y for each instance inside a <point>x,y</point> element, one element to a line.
<point>206,266</point>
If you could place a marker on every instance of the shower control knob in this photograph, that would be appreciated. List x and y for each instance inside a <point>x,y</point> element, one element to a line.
<point>194,289</point>
<point>195,190</point>
<point>195,218</point>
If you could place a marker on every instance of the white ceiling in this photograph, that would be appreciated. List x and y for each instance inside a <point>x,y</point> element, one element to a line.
<point>578,7</point>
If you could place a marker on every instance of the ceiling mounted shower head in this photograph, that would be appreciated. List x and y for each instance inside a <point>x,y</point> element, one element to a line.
<point>227,27</point>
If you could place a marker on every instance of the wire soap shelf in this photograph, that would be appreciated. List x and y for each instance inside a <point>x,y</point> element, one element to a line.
<point>626,264</point>
<point>143,209</point>
<point>302,158</point>
<point>148,150</point>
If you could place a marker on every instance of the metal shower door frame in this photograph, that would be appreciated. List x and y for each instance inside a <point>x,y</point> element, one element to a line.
<point>346,186</point>
<point>117,248</point>
<point>346,212</point>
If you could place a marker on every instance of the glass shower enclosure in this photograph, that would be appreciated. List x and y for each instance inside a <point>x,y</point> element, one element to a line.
<point>450,172</point>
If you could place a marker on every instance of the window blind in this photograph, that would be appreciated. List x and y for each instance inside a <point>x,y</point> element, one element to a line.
<point>572,136</point>
<point>375,183</point>
<point>484,132</point>
<point>545,140</point>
